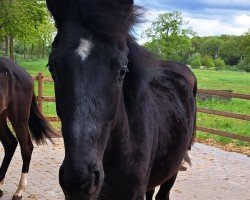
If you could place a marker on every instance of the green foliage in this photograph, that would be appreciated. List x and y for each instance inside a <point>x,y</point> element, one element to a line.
<point>230,51</point>
<point>219,64</point>
<point>28,22</point>
<point>168,38</point>
<point>232,68</point>
<point>195,60</point>
<point>194,56</point>
<point>20,18</point>
<point>229,48</point>
<point>244,46</point>
<point>244,65</point>
<point>208,62</point>
<point>211,46</point>
<point>196,63</point>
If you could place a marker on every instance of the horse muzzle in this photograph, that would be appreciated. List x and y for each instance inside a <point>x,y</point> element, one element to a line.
<point>80,187</point>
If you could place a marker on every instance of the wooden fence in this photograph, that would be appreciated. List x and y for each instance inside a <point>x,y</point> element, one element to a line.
<point>225,94</point>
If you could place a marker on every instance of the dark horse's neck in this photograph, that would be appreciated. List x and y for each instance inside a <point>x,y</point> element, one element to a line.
<point>134,103</point>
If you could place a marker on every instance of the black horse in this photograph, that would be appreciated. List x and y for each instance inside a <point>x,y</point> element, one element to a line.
<point>18,103</point>
<point>127,118</point>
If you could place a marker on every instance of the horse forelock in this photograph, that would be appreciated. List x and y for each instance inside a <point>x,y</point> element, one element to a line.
<point>108,18</point>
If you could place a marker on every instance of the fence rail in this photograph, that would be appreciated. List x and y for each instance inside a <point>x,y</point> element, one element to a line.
<point>224,94</point>
<point>41,99</point>
<point>224,114</point>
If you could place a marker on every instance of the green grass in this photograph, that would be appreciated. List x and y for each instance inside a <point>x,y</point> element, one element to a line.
<point>239,106</point>
<point>36,66</point>
<point>239,82</point>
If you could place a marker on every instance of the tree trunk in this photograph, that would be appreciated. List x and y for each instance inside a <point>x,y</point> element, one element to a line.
<point>6,48</point>
<point>218,53</point>
<point>12,48</point>
<point>32,51</point>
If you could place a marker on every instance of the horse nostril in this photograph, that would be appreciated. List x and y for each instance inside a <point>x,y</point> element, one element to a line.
<point>93,184</point>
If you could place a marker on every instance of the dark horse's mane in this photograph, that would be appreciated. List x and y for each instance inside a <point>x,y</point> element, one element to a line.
<point>135,83</point>
<point>107,18</point>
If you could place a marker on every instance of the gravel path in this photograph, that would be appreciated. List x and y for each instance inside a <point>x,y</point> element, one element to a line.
<point>215,174</point>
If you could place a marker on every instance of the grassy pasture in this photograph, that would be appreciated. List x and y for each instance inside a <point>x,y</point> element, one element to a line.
<point>238,82</point>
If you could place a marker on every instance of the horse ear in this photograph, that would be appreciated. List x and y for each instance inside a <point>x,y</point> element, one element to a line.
<point>57,9</point>
<point>61,9</point>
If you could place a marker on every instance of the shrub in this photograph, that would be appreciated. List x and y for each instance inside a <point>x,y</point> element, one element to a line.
<point>219,64</point>
<point>244,65</point>
<point>193,57</point>
<point>196,63</point>
<point>232,68</point>
<point>208,62</point>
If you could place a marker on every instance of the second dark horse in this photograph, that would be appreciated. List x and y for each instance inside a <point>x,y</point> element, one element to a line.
<point>18,104</point>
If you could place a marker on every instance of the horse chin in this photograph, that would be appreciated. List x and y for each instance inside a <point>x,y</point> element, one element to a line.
<point>82,194</point>
<point>79,196</point>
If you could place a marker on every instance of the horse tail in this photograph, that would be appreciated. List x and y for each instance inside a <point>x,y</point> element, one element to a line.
<point>39,127</point>
<point>187,159</point>
<point>195,111</point>
<point>195,114</point>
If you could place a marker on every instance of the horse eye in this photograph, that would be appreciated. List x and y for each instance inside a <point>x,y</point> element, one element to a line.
<point>122,73</point>
<point>125,63</point>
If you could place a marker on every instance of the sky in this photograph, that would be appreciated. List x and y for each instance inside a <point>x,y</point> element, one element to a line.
<point>207,17</point>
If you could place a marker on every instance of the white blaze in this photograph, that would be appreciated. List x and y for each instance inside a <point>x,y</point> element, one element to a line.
<point>22,184</point>
<point>84,48</point>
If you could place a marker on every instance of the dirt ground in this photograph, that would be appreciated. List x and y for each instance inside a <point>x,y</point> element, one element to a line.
<point>215,174</point>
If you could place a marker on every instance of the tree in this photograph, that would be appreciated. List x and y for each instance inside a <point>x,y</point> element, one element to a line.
<point>168,37</point>
<point>20,19</point>
<point>196,43</point>
<point>244,65</point>
<point>211,47</point>
<point>244,46</point>
<point>230,51</point>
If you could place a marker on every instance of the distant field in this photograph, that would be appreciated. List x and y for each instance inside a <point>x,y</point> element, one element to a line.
<point>228,80</point>
<point>36,66</point>
<point>238,82</point>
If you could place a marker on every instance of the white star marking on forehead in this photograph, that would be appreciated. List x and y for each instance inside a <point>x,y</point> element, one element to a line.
<point>84,48</point>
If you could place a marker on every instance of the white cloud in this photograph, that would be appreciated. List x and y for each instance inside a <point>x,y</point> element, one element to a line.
<point>224,2</point>
<point>206,27</point>
<point>211,22</point>
<point>242,20</point>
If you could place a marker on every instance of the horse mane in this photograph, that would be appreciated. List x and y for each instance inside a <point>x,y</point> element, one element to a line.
<point>141,62</point>
<point>111,19</point>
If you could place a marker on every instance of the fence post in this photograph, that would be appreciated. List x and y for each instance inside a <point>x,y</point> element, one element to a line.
<point>40,79</point>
